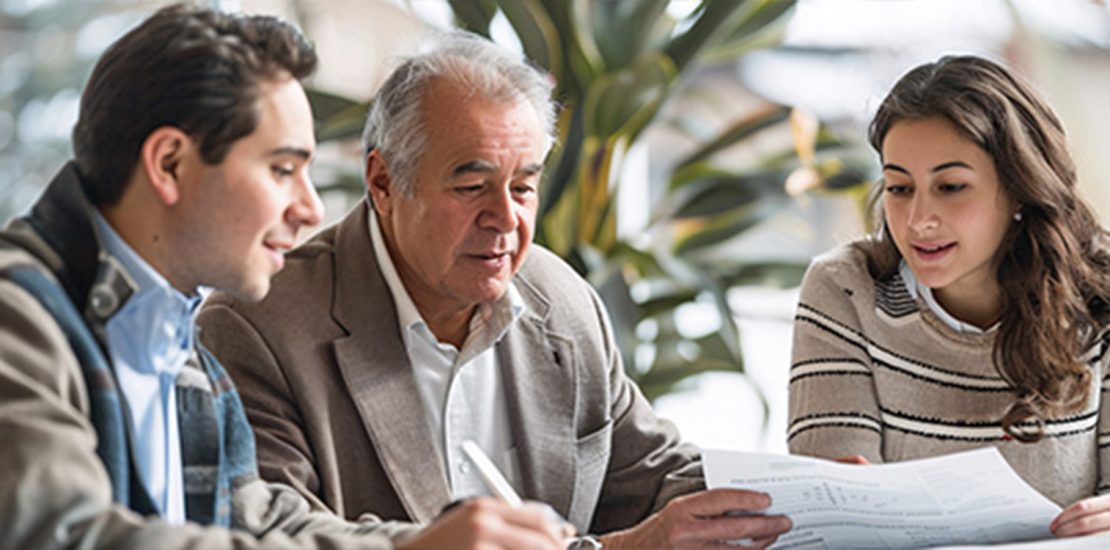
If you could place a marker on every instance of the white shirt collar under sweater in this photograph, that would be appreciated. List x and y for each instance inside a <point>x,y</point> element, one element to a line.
<point>916,288</point>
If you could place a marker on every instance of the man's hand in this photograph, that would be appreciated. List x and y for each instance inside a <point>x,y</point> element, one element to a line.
<point>1086,517</point>
<point>706,518</point>
<point>488,523</point>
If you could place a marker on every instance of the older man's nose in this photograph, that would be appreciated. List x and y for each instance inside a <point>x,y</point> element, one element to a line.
<point>499,211</point>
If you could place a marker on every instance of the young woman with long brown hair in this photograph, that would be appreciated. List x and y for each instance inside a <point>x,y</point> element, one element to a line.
<point>978,313</point>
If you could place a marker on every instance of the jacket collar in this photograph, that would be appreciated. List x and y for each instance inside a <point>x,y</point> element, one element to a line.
<point>539,369</point>
<point>59,232</point>
<point>376,369</point>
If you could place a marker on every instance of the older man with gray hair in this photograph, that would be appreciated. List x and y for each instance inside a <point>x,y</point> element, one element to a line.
<point>426,318</point>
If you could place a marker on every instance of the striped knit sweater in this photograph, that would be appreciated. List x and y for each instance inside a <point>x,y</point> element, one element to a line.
<point>876,373</point>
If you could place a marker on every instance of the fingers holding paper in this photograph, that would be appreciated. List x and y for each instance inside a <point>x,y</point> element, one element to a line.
<point>1085,517</point>
<point>706,519</point>
<point>853,459</point>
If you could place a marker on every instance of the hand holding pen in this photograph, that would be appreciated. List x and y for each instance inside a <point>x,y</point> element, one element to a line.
<point>500,487</point>
<point>487,523</point>
<point>501,522</point>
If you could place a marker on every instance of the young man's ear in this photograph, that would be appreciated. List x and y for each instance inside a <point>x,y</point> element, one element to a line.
<point>161,160</point>
<point>379,184</point>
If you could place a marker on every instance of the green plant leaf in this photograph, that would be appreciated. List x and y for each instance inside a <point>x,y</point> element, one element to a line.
<point>724,227</point>
<point>828,143</point>
<point>559,226</point>
<point>336,117</point>
<point>344,125</point>
<point>707,21</point>
<point>633,263</point>
<point>562,164</point>
<point>761,26</point>
<point>848,177</point>
<point>729,333</point>
<point>582,13</point>
<point>714,347</point>
<point>581,61</point>
<point>720,192</point>
<point>625,101</point>
<point>594,183</point>
<point>623,313</point>
<point>758,120</point>
<point>664,305</point>
<point>773,274</point>
<point>644,27</point>
<point>326,104</point>
<point>725,28</point>
<point>474,15</point>
<point>537,32</point>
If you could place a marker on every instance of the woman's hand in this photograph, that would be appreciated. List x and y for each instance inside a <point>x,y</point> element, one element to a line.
<point>1086,517</point>
<point>854,459</point>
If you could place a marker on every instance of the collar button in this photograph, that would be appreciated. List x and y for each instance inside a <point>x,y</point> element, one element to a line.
<point>102,301</point>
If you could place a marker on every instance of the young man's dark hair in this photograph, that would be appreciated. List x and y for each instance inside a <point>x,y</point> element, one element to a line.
<point>188,67</point>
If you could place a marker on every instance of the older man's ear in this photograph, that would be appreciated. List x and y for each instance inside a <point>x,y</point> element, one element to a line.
<point>379,184</point>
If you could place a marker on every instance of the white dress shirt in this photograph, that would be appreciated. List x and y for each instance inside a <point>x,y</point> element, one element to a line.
<point>461,390</point>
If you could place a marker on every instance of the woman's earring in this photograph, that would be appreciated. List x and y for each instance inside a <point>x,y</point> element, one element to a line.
<point>1017,216</point>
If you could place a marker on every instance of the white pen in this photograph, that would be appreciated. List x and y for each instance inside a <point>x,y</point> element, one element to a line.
<point>495,482</point>
<point>499,486</point>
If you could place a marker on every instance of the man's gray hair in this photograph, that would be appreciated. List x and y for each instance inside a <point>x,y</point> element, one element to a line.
<point>395,125</point>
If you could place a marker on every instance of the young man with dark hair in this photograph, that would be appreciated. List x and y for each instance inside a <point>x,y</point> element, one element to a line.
<point>192,151</point>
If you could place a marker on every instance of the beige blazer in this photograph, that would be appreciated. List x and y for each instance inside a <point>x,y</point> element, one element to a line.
<point>327,384</point>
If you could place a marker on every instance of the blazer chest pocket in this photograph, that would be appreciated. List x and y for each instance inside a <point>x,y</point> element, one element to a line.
<point>593,452</point>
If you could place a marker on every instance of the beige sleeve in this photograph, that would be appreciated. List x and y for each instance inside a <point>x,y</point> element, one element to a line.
<point>649,465</point>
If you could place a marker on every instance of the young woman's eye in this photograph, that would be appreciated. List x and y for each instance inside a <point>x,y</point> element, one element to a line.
<point>282,171</point>
<point>897,189</point>
<point>951,187</point>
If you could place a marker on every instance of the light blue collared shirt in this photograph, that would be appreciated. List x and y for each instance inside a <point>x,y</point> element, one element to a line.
<point>149,340</point>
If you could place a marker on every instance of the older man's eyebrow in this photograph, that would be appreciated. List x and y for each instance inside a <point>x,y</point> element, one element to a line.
<point>529,170</point>
<point>473,167</point>
<point>486,167</point>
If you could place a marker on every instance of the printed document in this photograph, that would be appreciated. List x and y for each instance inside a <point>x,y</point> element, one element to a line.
<point>972,497</point>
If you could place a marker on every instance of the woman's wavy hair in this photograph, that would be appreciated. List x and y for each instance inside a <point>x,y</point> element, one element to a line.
<point>1053,263</point>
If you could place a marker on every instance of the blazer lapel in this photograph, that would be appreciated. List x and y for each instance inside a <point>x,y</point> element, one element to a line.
<point>539,373</point>
<point>376,369</point>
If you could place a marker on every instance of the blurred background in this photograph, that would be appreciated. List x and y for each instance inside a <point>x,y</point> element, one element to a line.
<point>708,150</point>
